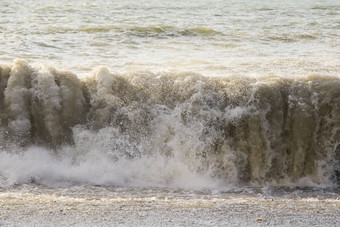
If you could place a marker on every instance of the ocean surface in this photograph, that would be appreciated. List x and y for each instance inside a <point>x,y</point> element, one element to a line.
<point>204,112</point>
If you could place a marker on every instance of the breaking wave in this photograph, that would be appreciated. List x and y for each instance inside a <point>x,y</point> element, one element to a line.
<point>174,130</point>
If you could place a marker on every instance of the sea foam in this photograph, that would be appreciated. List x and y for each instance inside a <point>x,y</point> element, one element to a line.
<point>167,129</point>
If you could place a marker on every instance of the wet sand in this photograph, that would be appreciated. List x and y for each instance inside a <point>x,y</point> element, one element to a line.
<point>64,208</point>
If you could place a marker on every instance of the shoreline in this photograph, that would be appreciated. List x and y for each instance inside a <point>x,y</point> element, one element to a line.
<point>48,208</point>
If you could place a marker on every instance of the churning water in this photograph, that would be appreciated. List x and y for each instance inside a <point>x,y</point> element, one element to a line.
<point>168,129</point>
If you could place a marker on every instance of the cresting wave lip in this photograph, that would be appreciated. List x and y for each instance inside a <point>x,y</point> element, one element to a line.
<point>176,130</point>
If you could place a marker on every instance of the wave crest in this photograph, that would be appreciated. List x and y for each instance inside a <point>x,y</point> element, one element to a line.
<point>162,129</point>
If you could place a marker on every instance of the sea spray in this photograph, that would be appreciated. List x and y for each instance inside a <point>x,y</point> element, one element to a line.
<point>167,129</point>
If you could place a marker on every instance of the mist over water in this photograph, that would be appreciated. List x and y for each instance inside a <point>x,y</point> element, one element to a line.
<point>175,130</point>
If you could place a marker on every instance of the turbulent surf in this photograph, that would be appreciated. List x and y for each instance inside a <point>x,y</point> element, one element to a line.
<point>167,129</point>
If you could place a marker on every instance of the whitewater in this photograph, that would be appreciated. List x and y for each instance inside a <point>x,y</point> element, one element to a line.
<point>204,113</point>
<point>164,129</point>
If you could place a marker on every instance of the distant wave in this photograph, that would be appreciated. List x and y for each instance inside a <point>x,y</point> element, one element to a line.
<point>294,37</point>
<point>152,30</point>
<point>180,130</point>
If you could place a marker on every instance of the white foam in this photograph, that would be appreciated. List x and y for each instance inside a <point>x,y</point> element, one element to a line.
<point>168,130</point>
